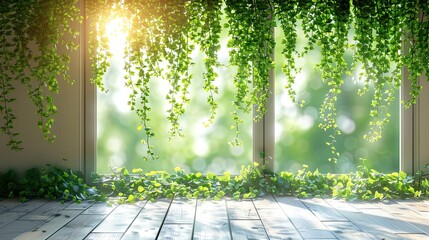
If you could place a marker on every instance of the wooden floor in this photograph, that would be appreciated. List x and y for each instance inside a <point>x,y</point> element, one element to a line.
<point>266,218</point>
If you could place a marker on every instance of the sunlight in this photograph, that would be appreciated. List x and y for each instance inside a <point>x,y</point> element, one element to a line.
<point>116,34</point>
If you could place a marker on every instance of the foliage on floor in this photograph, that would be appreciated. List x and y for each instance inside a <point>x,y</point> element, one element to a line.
<point>253,181</point>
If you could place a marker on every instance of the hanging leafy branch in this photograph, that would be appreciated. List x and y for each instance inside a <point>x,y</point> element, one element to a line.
<point>204,19</point>
<point>286,13</point>
<point>416,38</point>
<point>378,54</point>
<point>141,64</point>
<point>251,45</point>
<point>50,28</point>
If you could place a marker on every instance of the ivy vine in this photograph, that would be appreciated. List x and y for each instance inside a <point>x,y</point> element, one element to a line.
<point>162,35</point>
<point>250,26</point>
<point>36,40</point>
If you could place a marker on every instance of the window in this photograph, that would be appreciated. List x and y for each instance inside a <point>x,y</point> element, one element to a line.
<point>298,140</point>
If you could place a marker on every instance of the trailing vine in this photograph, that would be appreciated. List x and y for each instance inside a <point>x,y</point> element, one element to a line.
<point>205,17</point>
<point>416,39</point>
<point>32,35</point>
<point>251,26</point>
<point>162,35</point>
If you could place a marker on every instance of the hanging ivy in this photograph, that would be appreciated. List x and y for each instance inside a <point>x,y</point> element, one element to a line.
<point>161,36</point>
<point>36,39</point>
<point>251,45</point>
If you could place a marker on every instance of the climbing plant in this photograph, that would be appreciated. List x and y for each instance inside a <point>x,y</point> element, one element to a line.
<point>161,36</point>
<point>36,40</point>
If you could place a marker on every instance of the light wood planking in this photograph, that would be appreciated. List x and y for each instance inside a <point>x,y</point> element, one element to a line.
<point>181,211</point>
<point>211,220</point>
<point>370,226</point>
<point>248,229</point>
<point>277,224</point>
<point>346,231</point>
<point>119,220</point>
<point>413,236</point>
<point>415,205</point>
<point>179,221</point>
<point>78,228</point>
<point>307,224</point>
<point>323,211</point>
<point>405,214</point>
<point>172,231</point>
<point>104,236</point>
<point>266,201</point>
<point>341,205</point>
<point>263,218</point>
<point>8,204</point>
<point>8,217</point>
<point>99,208</point>
<point>16,228</point>
<point>149,221</point>
<point>45,212</point>
<point>361,220</point>
<point>391,222</point>
<point>360,204</point>
<point>80,206</point>
<point>31,205</point>
<point>241,209</point>
<point>50,226</point>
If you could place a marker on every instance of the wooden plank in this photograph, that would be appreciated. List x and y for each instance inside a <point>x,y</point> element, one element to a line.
<point>415,205</point>
<point>78,228</point>
<point>211,220</point>
<point>370,226</point>
<point>213,232</point>
<point>341,205</point>
<point>31,205</point>
<point>243,209</point>
<point>149,221</point>
<point>99,208</point>
<point>50,226</point>
<point>405,214</point>
<point>16,228</point>
<point>307,224</point>
<point>126,213</point>
<point>104,236</point>
<point>80,206</point>
<point>323,210</point>
<point>181,211</point>
<point>266,201</point>
<point>413,236</point>
<point>346,231</point>
<point>391,222</point>
<point>391,206</point>
<point>170,231</point>
<point>45,212</point>
<point>209,211</point>
<point>8,217</point>
<point>247,229</point>
<point>277,224</point>
<point>362,221</point>
<point>360,204</point>
<point>8,204</point>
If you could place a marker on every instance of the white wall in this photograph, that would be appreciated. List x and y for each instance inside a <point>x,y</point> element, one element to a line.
<point>68,149</point>
<point>415,129</point>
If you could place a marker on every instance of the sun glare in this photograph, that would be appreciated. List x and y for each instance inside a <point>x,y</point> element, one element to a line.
<point>115,32</point>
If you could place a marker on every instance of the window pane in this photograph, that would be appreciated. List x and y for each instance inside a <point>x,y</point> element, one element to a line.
<point>204,149</point>
<point>299,140</point>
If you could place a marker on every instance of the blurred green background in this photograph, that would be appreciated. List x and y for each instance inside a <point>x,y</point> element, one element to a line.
<point>205,149</point>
